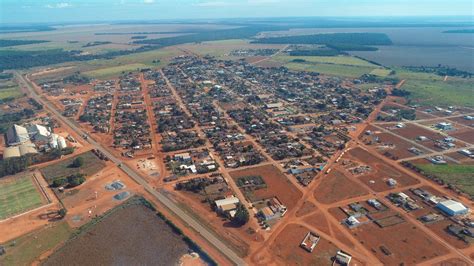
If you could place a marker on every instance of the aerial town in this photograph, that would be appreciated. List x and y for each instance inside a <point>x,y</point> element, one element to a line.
<point>227,158</point>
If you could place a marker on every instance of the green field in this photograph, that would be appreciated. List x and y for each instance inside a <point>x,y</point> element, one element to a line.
<point>10,92</point>
<point>17,195</point>
<point>430,89</point>
<point>344,66</point>
<point>461,176</point>
<point>108,72</point>
<point>337,60</point>
<point>381,72</point>
<point>91,165</point>
<point>26,249</point>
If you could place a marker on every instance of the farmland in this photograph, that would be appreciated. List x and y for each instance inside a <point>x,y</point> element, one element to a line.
<point>459,175</point>
<point>91,165</point>
<point>10,92</point>
<point>18,194</point>
<point>128,233</point>
<point>113,71</point>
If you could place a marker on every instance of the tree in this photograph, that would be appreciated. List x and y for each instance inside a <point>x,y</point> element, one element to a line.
<point>78,162</point>
<point>60,182</point>
<point>241,215</point>
<point>62,212</point>
<point>76,179</point>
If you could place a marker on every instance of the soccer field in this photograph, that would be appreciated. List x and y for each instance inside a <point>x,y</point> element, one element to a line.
<point>18,195</point>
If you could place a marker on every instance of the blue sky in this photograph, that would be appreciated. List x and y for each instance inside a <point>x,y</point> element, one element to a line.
<point>19,11</point>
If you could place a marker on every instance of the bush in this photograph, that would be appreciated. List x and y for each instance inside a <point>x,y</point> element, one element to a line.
<point>78,162</point>
<point>60,182</point>
<point>241,216</point>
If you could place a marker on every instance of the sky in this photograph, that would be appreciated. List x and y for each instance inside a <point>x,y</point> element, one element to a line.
<point>53,11</point>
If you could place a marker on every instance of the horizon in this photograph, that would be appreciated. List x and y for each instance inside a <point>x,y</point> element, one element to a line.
<point>75,11</point>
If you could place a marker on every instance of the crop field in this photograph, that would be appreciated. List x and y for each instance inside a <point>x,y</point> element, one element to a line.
<point>459,175</point>
<point>91,165</point>
<point>17,195</point>
<point>330,69</point>
<point>129,233</point>
<point>28,248</point>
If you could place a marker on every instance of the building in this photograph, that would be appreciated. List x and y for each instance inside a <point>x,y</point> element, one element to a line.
<point>19,150</point>
<point>342,258</point>
<point>227,206</point>
<point>444,126</point>
<point>452,207</point>
<point>17,135</point>
<point>310,241</point>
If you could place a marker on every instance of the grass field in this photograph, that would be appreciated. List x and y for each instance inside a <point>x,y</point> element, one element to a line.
<point>10,92</point>
<point>381,72</point>
<point>28,248</point>
<point>17,195</point>
<point>459,175</point>
<point>91,165</point>
<point>430,89</point>
<point>337,60</point>
<point>331,69</point>
<point>113,71</point>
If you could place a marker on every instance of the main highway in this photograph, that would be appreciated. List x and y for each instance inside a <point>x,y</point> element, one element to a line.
<point>163,199</point>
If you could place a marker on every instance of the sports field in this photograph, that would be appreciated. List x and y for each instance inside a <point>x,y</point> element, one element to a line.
<point>17,195</point>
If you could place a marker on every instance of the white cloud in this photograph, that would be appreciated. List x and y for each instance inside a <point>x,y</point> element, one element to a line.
<point>58,5</point>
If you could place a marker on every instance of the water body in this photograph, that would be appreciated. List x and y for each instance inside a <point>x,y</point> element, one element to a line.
<point>413,46</point>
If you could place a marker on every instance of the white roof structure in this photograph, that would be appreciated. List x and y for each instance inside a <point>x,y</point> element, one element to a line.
<point>16,135</point>
<point>226,201</point>
<point>20,150</point>
<point>453,205</point>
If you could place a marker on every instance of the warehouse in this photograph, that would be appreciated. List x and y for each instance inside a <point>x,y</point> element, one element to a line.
<point>452,208</point>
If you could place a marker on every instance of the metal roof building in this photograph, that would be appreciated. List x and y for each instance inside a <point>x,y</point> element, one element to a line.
<point>452,207</point>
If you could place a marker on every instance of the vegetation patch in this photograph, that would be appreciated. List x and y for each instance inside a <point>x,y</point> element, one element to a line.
<point>6,43</point>
<point>91,165</point>
<point>460,176</point>
<point>338,39</point>
<point>114,71</point>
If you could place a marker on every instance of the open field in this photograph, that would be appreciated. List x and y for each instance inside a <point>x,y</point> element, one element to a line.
<point>380,172</point>
<point>18,194</point>
<point>277,184</point>
<point>108,72</point>
<point>91,165</point>
<point>336,60</point>
<point>10,92</point>
<point>346,66</point>
<point>459,175</point>
<point>336,187</point>
<point>397,240</point>
<point>130,234</point>
<point>286,248</point>
<point>382,72</point>
<point>430,89</point>
<point>30,247</point>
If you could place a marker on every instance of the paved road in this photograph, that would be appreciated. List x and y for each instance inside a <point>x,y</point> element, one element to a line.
<point>205,233</point>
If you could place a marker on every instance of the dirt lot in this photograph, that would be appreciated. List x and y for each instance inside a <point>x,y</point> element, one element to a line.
<point>398,239</point>
<point>307,208</point>
<point>452,262</point>
<point>132,235</point>
<point>286,248</point>
<point>80,200</point>
<point>381,171</point>
<point>336,187</point>
<point>277,184</point>
<point>394,145</point>
<point>465,134</point>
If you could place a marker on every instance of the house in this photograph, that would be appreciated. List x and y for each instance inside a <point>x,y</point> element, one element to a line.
<point>452,207</point>
<point>267,213</point>
<point>392,182</point>
<point>342,258</point>
<point>227,206</point>
<point>444,126</point>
